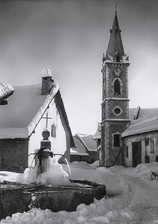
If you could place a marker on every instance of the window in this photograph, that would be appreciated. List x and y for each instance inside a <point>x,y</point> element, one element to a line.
<point>116,140</point>
<point>147,141</point>
<point>117,111</point>
<point>147,159</point>
<point>151,145</point>
<point>117,88</point>
<point>147,145</point>
<point>127,154</point>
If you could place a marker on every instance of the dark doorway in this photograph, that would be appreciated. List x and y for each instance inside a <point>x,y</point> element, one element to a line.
<point>136,153</point>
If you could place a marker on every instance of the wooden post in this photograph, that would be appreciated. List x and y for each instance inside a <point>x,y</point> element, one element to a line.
<point>143,150</point>
<point>67,154</point>
<point>130,153</point>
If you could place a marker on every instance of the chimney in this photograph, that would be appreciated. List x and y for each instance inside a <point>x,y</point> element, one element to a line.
<point>47,84</point>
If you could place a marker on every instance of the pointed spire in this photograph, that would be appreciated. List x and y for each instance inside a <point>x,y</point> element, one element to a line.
<point>115,47</point>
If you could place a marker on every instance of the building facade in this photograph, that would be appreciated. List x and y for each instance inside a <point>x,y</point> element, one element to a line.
<point>30,111</point>
<point>141,137</point>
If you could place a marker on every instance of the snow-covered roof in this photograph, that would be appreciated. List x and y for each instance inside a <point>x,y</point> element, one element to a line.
<point>79,148</point>
<point>6,90</point>
<point>83,144</point>
<point>147,121</point>
<point>75,151</point>
<point>88,141</point>
<point>24,108</point>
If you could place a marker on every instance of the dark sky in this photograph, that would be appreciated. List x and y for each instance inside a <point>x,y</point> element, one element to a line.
<point>69,37</point>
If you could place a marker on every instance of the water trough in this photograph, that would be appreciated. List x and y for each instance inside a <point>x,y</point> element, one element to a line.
<point>19,198</point>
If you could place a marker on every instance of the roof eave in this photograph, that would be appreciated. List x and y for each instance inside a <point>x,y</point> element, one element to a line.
<point>13,133</point>
<point>138,133</point>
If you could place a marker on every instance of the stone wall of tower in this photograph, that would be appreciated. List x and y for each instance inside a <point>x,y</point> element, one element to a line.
<point>113,123</point>
<point>109,76</point>
<point>114,155</point>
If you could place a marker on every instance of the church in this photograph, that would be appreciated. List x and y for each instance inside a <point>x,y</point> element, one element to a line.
<point>129,136</point>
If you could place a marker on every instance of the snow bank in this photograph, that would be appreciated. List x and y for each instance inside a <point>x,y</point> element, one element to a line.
<point>59,174</point>
<point>83,171</point>
<point>9,176</point>
<point>144,170</point>
<point>98,212</point>
<point>54,175</point>
<point>95,164</point>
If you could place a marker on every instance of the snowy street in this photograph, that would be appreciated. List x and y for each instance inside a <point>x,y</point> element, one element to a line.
<point>132,198</point>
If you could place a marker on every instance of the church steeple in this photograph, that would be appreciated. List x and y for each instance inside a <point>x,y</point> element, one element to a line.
<point>115,49</point>
<point>115,102</point>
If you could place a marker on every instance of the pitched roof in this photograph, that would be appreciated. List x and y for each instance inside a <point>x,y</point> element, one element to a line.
<point>84,144</point>
<point>18,117</point>
<point>21,107</point>
<point>147,121</point>
<point>115,45</point>
<point>89,142</point>
<point>79,148</point>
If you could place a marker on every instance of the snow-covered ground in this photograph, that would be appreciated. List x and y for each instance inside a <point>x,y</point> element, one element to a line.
<point>132,198</point>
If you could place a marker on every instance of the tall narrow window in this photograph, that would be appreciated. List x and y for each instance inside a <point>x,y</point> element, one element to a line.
<point>147,141</point>
<point>116,140</point>
<point>117,88</point>
<point>127,154</point>
<point>151,145</point>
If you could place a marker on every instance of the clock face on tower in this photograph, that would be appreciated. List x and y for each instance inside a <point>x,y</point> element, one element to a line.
<point>117,71</point>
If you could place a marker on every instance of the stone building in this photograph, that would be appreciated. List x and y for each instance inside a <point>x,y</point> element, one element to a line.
<point>115,102</point>
<point>29,111</point>
<point>129,136</point>
<point>141,137</point>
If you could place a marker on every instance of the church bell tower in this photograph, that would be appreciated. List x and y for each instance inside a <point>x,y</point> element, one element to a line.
<point>115,102</point>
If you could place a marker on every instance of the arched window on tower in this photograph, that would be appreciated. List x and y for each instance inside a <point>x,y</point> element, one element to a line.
<point>117,87</point>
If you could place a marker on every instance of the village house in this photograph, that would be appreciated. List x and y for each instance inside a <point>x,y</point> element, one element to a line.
<point>141,137</point>
<point>27,113</point>
<point>85,149</point>
<point>128,136</point>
